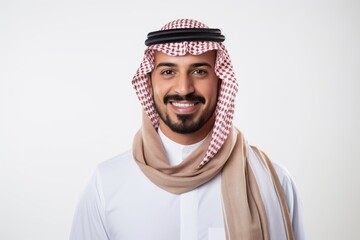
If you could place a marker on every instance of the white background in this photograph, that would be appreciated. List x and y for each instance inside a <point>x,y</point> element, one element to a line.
<point>66,102</point>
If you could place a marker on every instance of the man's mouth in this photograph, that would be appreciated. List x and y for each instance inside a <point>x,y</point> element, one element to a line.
<point>184,107</point>
<point>183,104</point>
<point>188,99</point>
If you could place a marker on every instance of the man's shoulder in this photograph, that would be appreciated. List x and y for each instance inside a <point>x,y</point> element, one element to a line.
<point>116,167</point>
<point>283,174</point>
<point>116,161</point>
<point>288,185</point>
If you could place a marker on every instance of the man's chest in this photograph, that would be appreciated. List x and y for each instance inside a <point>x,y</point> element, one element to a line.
<point>141,210</point>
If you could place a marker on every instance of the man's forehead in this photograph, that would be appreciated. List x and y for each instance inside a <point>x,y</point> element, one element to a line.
<point>208,57</point>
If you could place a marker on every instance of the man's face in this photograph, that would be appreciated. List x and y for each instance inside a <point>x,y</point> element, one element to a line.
<point>185,91</point>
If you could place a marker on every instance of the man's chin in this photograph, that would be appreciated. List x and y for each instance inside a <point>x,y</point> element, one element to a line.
<point>185,119</point>
<point>184,127</point>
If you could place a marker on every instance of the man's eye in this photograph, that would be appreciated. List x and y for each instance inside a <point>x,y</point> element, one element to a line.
<point>200,71</point>
<point>167,72</point>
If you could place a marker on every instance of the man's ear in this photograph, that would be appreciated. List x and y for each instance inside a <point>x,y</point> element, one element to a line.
<point>219,86</point>
<point>150,83</point>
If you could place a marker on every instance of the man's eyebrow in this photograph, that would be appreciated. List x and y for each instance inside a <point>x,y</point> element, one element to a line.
<point>165,64</point>
<point>201,64</point>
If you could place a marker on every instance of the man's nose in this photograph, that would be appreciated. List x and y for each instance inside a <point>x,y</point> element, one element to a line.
<point>184,85</point>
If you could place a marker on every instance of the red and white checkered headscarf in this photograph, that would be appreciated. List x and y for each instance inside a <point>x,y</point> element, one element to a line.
<point>223,69</point>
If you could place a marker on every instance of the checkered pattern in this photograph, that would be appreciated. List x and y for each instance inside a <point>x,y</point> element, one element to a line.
<point>223,69</point>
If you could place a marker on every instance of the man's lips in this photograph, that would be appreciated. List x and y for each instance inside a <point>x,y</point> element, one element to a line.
<point>190,98</point>
<point>184,107</point>
<point>182,104</point>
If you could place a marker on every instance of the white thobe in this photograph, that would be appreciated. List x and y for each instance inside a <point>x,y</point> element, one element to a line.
<point>120,202</point>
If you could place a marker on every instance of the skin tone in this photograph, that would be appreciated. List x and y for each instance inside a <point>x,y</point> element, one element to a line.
<point>185,90</point>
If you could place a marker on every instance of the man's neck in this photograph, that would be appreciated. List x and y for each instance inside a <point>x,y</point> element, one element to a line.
<point>176,152</point>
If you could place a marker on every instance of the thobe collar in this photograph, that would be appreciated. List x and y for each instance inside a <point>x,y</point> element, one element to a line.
<point>176,152</point>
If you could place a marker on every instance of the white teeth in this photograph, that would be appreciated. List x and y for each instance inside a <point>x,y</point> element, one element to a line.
<point>178,104</point>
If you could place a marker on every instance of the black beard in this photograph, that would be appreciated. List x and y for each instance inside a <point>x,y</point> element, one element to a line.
<point>185,125</point>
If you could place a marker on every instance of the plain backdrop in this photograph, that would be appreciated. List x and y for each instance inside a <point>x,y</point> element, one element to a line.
<point>67,104</point>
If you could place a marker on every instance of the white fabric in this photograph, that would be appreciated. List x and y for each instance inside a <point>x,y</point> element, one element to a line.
<point>188,201</point>
<point>121,203</point>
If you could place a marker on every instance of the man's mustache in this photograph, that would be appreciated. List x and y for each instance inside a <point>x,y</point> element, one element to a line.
<point>190,97</point>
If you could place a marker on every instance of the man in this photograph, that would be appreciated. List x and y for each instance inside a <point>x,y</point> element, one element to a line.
<point>190,174</point>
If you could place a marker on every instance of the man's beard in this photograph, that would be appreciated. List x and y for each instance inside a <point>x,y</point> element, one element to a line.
<point>185,124</point>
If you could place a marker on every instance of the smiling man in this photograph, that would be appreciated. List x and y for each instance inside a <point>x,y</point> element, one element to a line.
<point>190,174</point>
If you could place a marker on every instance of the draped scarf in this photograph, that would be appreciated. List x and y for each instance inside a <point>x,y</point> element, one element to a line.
<point>244,213</point>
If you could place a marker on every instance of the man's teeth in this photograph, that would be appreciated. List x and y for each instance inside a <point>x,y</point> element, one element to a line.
<point>178,104</point>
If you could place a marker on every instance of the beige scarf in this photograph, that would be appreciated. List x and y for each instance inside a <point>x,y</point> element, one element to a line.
<point>244,212</point>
